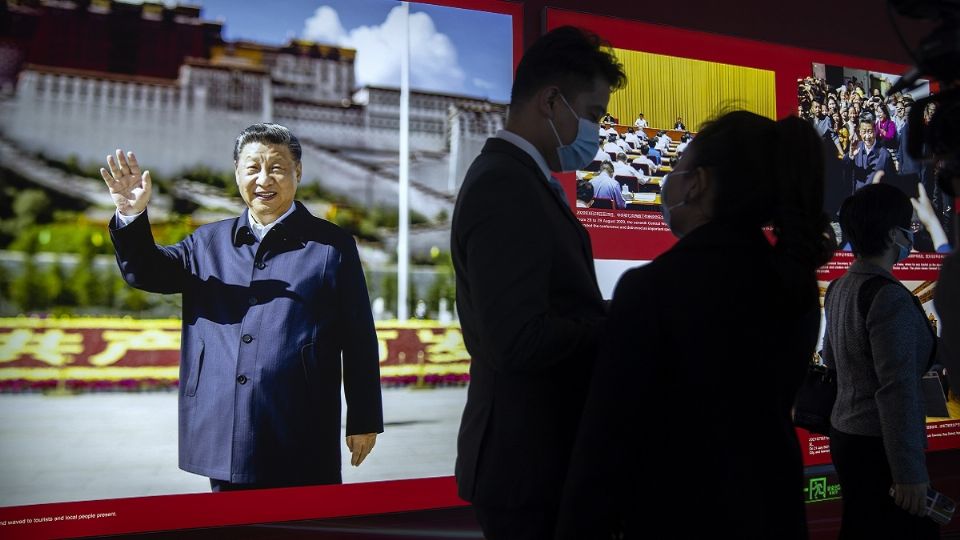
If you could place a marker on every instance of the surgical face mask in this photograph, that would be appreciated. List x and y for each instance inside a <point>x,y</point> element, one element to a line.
<point>581,151</point>
<point>904,249</point>
<point>667,208</point>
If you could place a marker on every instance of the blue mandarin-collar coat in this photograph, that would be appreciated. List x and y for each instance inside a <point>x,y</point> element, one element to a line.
<point>866,164</point>
<point>269,330</point>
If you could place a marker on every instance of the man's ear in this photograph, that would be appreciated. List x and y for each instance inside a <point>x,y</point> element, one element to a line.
<point>299,170</point>
<point>891,237</point>
<point>546,99</point>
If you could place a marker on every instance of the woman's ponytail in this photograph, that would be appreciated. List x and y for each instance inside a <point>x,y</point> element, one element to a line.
<point>780,180</point>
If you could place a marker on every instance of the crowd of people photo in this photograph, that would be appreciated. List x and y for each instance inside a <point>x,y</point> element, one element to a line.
<point>866,134</point>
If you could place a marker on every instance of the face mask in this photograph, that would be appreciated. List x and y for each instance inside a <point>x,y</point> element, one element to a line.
<point>581,151</point>
<point>664,207</point>
<point>904,249</point>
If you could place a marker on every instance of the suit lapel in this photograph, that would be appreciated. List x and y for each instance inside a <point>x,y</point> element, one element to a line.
<point>499,145</point>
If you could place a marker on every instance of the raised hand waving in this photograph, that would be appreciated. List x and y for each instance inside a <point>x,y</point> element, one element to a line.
<point>129,188</point>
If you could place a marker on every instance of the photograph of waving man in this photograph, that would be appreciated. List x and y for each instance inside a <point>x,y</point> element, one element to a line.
<point>275,314</point>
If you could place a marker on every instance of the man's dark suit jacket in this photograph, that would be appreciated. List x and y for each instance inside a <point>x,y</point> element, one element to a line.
<point>866,164</point>
<point>687,424</point>
<point>529,307</point>
<point>264,326</point>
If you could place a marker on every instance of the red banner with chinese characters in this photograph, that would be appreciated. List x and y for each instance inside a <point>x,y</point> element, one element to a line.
<point>124,353</point>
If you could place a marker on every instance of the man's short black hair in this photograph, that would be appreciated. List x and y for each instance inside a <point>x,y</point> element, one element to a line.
<point>268,134</point>
<point>569,58</point>
<point>867,217</point>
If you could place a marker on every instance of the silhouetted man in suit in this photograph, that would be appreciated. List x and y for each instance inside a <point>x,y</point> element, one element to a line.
<point>527,291</point>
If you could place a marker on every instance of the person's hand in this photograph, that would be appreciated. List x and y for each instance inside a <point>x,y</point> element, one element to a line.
<point>877,176</point>
<point>129,188</point>
<point>925,211</point>
<point>360,446</point>
<point>911,497</point>
<point>854,148</point>
<point>928,217</point>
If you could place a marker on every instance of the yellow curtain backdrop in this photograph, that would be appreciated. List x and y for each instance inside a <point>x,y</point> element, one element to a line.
<point>664,87</point>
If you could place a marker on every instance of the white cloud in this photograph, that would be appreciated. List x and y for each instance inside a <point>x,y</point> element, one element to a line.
<point>325,26</point>
<point>433,57</point>
<point>483,84</point>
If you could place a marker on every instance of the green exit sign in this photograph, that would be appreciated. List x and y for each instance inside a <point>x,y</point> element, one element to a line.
<point>818,489</point>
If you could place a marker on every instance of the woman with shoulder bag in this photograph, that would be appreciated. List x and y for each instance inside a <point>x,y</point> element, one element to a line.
<point>880,342</point>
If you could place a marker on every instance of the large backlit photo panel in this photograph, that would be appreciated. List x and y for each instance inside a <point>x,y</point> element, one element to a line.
<point>89,365</point>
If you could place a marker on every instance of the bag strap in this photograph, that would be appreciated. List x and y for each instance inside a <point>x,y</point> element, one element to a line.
<point>868,292</point>
<point>933,333</point>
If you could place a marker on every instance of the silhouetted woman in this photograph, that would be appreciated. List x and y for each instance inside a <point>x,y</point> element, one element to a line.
<point>706,347</point>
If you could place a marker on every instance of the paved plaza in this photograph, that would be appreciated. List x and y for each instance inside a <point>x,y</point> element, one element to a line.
<point>115,444</point>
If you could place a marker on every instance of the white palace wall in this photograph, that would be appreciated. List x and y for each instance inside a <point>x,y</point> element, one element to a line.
<point>172,128</point>
<point>169,127</point>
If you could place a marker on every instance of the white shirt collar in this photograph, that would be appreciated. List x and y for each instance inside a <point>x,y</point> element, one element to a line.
<point>261,230</point>
<point>525,145</point>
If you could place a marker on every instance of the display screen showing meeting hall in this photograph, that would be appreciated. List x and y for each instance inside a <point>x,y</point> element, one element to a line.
<point>665,102</point>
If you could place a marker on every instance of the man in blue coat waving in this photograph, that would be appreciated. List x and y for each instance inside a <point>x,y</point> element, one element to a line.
<point>275,315</point>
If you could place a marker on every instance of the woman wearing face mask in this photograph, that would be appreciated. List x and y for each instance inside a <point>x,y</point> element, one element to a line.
<point>706,346</point>
<point>880,342</point>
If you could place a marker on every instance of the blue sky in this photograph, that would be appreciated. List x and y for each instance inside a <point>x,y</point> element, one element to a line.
<point>454,50</point>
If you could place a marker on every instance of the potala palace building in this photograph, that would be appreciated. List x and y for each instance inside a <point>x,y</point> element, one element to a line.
<point>84,77</point>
